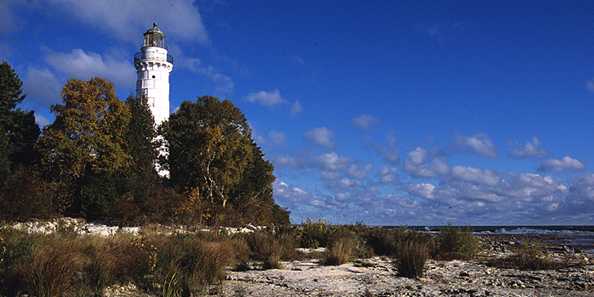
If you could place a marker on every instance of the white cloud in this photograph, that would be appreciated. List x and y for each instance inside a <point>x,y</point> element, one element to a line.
<point>424,190</point>
<point>296,107</point>
<point>420,163</point>
<point>479,144</point>
<point>127,20</point>
<point>321,136</point>
<point>590,85</point>
<point>332,161</point>
<point>41,120</point>
<point>84,65</point>
<point>475,175</point>
<point>266,98</point>
<point>389,151</point>
<point>277,137</point>
<point>364,121</point>
<point>531,148</point>
<point>7,19</point>
<point>565,163</point>
<point>42,86</point>
<point>223,84</point>
<point>387,175</point>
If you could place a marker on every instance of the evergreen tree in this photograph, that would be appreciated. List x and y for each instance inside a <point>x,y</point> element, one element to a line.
<point>11,92</point>
<point>18,126</point>
<point>86,142</point>
<point>142,148</point>
<point>4,160</point>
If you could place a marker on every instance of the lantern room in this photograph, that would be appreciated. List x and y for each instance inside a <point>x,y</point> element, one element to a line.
<point>154,37</point>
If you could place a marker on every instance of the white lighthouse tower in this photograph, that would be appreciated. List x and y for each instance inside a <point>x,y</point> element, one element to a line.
<point>153,65</point>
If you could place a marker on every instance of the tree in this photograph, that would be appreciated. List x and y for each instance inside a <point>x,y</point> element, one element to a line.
<point>18,126</point>
<point>209,148</point>
<point>4,160</point>
<point>11,92</point>
<point>86,141</point>
<point>142,148</point>
<point>214,159</point>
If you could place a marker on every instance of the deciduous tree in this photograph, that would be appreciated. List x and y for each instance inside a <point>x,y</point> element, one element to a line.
<point>87,139</point>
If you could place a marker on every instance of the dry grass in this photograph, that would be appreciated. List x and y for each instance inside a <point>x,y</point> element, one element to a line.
<point>412,255</point>
<point>455,243</point>
<point>341,251</point>
<point>529,256</point>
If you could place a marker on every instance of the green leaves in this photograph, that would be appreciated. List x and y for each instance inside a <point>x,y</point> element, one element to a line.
<point>88,136</point>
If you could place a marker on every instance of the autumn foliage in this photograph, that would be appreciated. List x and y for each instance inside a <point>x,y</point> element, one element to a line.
<point>97,160</point>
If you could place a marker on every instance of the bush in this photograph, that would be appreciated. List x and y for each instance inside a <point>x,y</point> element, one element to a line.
<point>266,248</point>
<point>314,234</point>
<point>454,243</point>
<point>341,251</point>
<point>189,265</point>
<point>412,255</point>
<point>383,242</point>
<point>53,268</point>
<point>527,257</point>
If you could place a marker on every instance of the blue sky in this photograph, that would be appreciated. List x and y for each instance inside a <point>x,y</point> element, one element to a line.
<point>383,112</point>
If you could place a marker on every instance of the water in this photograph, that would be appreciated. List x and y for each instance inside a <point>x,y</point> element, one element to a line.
<point>579,236</point>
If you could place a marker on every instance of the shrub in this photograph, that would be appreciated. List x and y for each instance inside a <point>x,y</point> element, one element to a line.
<point>15,248</point>
<point>383,242</point>
<point>264,247</point>
<point>454,243</point>
<point>341,251</point>
<point>527,257</point>
<point>314,234</point>
<point>412,255</point>
<point>53,269</point>
<point>189,265</point>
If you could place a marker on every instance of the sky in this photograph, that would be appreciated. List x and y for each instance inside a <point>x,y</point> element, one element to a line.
<point>380,112</point>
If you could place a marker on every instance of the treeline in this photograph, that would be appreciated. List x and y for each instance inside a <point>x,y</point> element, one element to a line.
<point>97,161</point>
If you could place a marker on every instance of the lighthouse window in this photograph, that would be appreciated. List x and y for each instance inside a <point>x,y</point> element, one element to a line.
<point>153,76</point>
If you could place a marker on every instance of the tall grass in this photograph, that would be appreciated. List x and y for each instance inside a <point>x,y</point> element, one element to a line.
<point>454,243</point>
<point>412,255</point>
<point>528,256</point>
<point>341,251</point>
<point>314,234</point>
<point>64,265</point>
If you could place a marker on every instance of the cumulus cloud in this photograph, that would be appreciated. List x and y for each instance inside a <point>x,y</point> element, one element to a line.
<point>84,65</point>
<point>389,150</point>
<point>420,163</point>
<point>127,20</point>
<point>277,137</point>
<point>223,83</point>
<point>296,108</point>
<point>566,163</point>
<point>364,121</point>
<point>424,190</point>
<point>387,175</point>
<point>332,161</point>
<point>479,144</point>
<point>531,148</point>
<point>42,86</point>
<point>475,175</point>
<point>321,136</point>
<point>266,98</point>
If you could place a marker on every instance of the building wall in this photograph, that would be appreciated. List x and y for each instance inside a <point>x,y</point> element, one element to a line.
<point>153,81</point>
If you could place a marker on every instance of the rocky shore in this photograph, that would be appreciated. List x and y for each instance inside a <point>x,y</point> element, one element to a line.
<point>378,277</point>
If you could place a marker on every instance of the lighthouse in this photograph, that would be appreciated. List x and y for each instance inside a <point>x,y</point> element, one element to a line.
<point>153,65</point>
